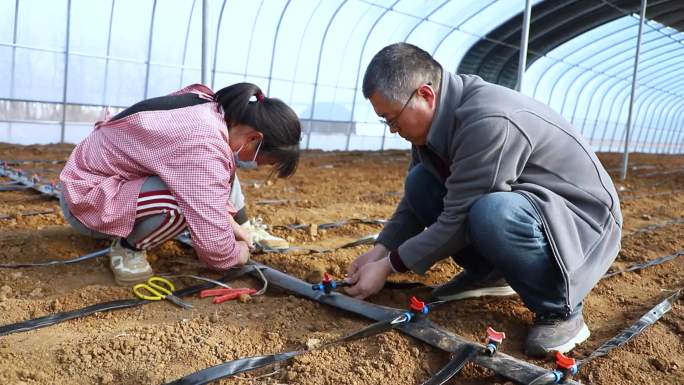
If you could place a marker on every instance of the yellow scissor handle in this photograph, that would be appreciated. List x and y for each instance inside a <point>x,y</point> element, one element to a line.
<point>154,287</point>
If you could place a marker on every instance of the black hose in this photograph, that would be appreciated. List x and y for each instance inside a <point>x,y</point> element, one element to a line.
<point>457,362</point>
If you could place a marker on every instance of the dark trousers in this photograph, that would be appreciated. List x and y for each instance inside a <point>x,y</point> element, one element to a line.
<point>506,239</point>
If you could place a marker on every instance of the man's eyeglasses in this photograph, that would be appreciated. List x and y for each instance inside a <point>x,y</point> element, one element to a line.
<point>392,124</point>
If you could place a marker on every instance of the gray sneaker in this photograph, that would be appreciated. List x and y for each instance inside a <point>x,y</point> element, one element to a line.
<point>465,285</point>
<point>552,333</point>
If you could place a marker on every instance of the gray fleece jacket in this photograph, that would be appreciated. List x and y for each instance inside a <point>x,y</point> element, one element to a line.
<point>496,139</point>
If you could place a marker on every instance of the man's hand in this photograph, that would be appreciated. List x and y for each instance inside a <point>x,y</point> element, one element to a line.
<point>244,252</point>
<point>377,253</point>
<point>369,278</point>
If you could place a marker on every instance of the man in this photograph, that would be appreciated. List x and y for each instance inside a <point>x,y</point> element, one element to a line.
<point>499,182</point>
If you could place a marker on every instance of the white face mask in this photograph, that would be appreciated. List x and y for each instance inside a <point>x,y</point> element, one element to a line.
<point>246,164</point>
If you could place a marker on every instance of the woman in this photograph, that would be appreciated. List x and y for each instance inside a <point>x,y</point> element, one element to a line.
<point>166,164</point>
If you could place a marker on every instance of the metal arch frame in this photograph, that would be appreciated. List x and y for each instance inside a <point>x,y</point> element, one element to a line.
<point>504,64</point>
<point>680,140</point>
<point>670,137</point>
<point>646,106</point>
<point>66,72</point>
<point>299,50</point>
<point>358,67</point>
<point>251,38</point>
<point>458,26</point>
<point>610,113</point>
<point>598,112</point>
<point>346,45</point>
<point>524,40</point>
<point>665,102</point>
<point>14,48</point>
<point>644,66</point>
<point>612,33</point>
<point>149,48</point>
<point>185,45</point>
<point>609,77</point>
<point>631,14</point>
<point>216,42</point>
<point>585,69</point>
<point>639,99</point>
<point>273,49</point>
<point>576,79</point>
<point>318,69</point>
<point>651,98</point>
<point>661,123</point>
<point>576,51</point>
<point>624,88</point>
<point>635,73</point>
<point>666,139</point>
<point>654,91</point>
<point>109,47</point>
<point>680,137</point>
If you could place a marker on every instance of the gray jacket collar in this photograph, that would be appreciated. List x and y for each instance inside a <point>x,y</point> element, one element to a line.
<point>451,93</point>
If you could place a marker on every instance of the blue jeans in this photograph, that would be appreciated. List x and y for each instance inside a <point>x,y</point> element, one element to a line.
<point>506,239</point>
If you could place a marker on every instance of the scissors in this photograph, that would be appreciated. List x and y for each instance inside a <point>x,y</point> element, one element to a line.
<point>159,288</point>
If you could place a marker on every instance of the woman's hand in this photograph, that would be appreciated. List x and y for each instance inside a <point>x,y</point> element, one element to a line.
<point>241,234</point>
<point>244,255</point>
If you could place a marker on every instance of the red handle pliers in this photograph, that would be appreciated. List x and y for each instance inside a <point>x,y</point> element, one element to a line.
<point>225,294</point>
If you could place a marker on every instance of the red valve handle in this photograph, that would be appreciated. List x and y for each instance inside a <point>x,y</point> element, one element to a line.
<point>327,278</point>
<point>495,336</point>
<point>416,305</point>
<point>564,362</point>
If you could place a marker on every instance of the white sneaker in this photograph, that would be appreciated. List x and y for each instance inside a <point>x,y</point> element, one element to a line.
<point>259,234</point>
<point>129,266</point>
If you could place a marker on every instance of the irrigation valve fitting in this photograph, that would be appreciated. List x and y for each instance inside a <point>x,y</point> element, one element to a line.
<point>566,367</point>
<point>494,339</point>
<point>328,284</point>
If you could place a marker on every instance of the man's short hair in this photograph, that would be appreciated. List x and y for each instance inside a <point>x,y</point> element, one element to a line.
<point>398,69</point>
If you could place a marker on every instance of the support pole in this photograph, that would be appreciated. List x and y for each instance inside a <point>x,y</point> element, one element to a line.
<point>625,157</point>
<point>524,38</point>
<point>205,41</point>
<point>66,73</point>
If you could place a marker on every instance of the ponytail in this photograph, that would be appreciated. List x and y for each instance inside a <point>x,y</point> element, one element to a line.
<point>245,103</point>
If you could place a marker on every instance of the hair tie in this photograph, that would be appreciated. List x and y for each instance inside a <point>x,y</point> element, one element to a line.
<point>259,96</point>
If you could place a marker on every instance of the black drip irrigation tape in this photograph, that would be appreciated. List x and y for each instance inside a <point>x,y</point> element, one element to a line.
<point>422,329</point>
<point>17,162</point>
<point>34,182</point>
<point>656,226</point>
<point>639,266</point>
<point>455,364</point>
<point>26,214</point>
<point>651,195</point>
<point>82,258</point>
<point>242,365</point>
<point>53,319</point>
<point>648,319</point>
<point>367,240</point>
<point>13,187</point>
<point>333,225</point>
<point>652,316</point>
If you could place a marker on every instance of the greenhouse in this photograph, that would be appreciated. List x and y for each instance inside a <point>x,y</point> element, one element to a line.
<point>341,192</point>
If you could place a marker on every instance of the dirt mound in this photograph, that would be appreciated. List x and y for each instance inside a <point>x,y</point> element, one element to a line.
<point>159,342</point>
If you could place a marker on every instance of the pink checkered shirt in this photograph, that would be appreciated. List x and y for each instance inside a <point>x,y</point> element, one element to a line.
<point>186,147</point>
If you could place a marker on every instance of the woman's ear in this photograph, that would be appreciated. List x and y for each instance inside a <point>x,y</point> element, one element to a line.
<point>255,136</point>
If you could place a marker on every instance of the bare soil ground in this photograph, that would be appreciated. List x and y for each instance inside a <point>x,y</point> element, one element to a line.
<point>158,342</point>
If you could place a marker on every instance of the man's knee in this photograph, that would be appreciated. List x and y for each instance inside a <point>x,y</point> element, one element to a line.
<point>495,214</point>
